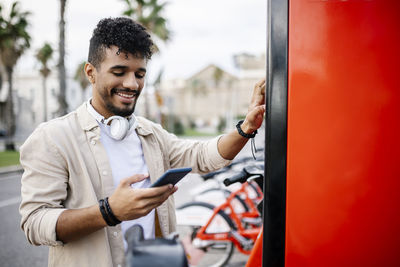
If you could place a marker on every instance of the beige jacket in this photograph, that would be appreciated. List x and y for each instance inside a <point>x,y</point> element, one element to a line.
<point>66,167</point>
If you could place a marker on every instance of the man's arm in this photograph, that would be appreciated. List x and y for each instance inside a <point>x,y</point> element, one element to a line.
<point>126,203</point>
<point>230,144</point>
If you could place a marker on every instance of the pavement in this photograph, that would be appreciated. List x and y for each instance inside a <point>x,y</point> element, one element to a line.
<point>11,169</point>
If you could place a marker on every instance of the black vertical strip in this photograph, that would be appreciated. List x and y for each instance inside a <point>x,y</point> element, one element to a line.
<point>276,134</point>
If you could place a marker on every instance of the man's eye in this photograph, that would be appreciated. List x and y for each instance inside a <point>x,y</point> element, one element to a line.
<point>139,76</point>
<point>118,73</point>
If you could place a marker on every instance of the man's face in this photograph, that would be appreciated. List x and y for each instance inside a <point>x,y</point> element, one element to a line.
<point>117,82</point>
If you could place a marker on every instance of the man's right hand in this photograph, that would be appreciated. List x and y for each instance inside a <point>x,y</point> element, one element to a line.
<point>129,203</point>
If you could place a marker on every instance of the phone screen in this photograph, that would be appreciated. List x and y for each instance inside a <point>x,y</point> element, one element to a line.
<point>171,176</point>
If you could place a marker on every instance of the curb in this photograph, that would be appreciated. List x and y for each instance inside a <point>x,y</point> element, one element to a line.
<point>13,168</point>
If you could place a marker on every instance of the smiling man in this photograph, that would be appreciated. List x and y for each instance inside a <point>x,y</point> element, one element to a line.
<point>87,175</point>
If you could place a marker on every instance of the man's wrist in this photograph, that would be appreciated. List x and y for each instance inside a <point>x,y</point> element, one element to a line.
<point>245,131</point>
<point>245,128</point>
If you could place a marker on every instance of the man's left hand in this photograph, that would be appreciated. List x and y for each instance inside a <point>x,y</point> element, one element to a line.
<point>255,114</point>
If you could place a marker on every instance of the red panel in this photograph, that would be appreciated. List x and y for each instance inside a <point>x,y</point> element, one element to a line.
<point>343,169</point>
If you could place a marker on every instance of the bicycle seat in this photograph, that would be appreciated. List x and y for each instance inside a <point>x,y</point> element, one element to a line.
<point>153,252</point>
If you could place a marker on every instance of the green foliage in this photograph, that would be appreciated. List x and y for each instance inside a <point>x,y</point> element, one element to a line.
<point>148,13</point>
<point>179,129</point>
<point>221,125</point>
<point>14,41</point>
<point>80,75</point>
<point>173,124</point>
<point>14,37</point>
<point>43,55</point>
<point>8,158</point>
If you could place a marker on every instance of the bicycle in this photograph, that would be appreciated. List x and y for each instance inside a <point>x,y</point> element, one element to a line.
<point>213,231</point>
<point>214,191</point>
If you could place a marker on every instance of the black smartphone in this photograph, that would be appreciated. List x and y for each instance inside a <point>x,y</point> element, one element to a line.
<point>172,176</point>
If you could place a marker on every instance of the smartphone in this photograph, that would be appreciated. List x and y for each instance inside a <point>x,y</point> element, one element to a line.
<point>172,176</point>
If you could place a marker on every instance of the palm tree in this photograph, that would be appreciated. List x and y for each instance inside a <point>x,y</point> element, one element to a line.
<point>81,78</point>
<point>148,13</point>
<point>43,55</point>
<point>62,77</point>
<point>14,41</point>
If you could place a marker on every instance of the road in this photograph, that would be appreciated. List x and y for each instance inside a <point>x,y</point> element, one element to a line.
<point>15,250</point>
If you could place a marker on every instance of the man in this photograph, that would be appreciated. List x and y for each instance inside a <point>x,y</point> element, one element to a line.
<point>90,170</point>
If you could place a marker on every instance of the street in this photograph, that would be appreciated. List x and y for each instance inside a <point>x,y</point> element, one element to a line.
<point>15,249</point>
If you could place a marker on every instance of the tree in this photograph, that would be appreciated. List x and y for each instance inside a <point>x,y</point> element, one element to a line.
<point>14,41</point>
<point>81,78</point>
<point>62,76</point>
<point>148,13</point>
<point>43,55</point>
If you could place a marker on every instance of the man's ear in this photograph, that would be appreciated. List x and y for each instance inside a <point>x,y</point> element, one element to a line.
<point>90,72</point>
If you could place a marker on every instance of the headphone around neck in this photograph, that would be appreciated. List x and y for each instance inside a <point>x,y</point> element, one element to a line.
<point>120,126</point>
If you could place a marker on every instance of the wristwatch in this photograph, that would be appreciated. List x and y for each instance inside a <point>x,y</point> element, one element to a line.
<point>240,131</point>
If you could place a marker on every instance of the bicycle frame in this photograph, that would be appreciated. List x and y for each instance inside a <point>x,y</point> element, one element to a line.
<point>251,233</point>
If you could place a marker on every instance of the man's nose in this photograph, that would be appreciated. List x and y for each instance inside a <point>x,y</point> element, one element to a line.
<point>130,82</point>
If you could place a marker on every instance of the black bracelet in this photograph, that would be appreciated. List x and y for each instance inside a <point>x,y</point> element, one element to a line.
<point>104,213</point>
<point>110,213</point>
<point>240,131</point>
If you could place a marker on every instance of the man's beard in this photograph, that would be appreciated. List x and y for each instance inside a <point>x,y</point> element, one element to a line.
<point>119,111</point>
<point>123,112</point>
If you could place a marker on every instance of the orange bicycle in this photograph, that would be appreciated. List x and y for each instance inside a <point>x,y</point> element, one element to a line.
<point>213,231</point>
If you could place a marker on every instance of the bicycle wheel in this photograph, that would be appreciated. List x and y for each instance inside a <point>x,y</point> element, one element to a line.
<point>190,217</point>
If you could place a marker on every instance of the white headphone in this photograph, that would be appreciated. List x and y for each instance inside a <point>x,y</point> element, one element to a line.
<point>120,126</point>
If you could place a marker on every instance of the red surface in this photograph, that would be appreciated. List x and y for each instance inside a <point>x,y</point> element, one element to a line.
<point>255,258</point>
<point>343,168</point>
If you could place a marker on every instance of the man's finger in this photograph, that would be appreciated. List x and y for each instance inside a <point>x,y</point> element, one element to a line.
<point>134,179</point>
<point>157,191</point>
<point>260,82</point>
<point>256,111</point>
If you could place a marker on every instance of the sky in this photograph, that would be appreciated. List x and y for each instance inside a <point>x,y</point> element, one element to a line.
<point>203,32</point>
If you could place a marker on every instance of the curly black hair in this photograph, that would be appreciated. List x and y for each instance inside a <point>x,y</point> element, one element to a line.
<point>125,33</point>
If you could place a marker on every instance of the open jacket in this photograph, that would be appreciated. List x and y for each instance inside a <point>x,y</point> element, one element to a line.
<point>66,167</point>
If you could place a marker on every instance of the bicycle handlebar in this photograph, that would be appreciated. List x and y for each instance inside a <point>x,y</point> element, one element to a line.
<point>212,174</point>
<point>241,177</point>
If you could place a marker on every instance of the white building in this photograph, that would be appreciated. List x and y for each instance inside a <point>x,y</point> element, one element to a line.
<point>29,99</point>
<point>212,95</point>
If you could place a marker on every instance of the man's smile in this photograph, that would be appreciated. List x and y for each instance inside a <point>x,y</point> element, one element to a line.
<point>126,95</point>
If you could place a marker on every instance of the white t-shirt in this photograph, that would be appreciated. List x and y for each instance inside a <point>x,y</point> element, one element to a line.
<point>126,159</point>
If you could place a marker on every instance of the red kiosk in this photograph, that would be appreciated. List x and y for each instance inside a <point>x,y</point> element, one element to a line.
<point>333,134</point>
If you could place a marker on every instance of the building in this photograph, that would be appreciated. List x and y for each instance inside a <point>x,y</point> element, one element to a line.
<point>213,97</point>
<point>29,98</point>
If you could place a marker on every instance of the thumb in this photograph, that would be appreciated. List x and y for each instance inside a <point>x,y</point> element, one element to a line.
<point>133,179</point>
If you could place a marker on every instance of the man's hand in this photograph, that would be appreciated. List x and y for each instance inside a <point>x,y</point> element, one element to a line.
<point>229,145</point>
<point>255,114</point>
<point>129,203</point>
<point>126,203</point>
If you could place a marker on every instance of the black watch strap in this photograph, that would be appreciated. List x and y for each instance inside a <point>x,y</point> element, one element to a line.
<point>240,131</point>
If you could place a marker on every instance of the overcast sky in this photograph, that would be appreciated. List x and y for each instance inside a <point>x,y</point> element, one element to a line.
<point>203,32</point>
